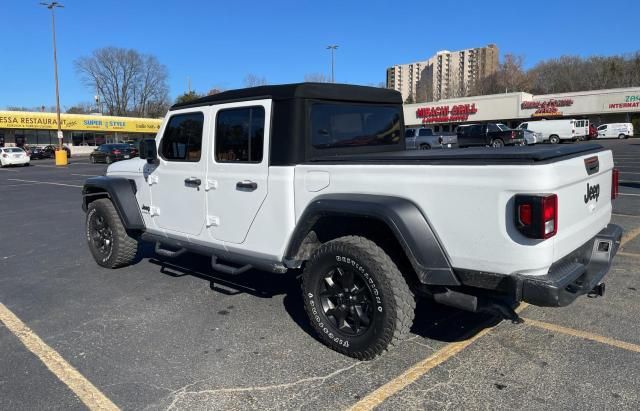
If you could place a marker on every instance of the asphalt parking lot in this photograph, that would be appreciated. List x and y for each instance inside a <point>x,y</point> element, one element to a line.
<point>172,334</point>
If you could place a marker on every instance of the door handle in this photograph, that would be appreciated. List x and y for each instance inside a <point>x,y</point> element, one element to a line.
<point>192,182</point>
<point>246,185</point>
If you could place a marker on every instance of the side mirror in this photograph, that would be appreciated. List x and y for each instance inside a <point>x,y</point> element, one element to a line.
<point>148,150</point>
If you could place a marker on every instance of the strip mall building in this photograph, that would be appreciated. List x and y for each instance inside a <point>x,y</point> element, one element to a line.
<point>82,133</point>
<point>599,106</point>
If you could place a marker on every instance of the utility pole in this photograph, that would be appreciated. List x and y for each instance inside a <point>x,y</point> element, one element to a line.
<point>333,48</point>
<point>52,6</point>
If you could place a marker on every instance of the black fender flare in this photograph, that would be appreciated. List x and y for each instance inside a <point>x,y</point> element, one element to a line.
<point>121,192</point>
<point>409,225</point>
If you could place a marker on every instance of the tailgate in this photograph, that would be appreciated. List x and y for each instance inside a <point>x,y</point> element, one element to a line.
<point>584,199</point>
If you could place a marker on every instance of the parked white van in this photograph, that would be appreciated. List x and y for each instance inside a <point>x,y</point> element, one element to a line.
<point>582,129</point>
<point>553,130</point>
<point>615,130</point>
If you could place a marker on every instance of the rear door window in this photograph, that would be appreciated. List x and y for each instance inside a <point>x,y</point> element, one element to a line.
<point>425,132</point>
<point>240,135</point>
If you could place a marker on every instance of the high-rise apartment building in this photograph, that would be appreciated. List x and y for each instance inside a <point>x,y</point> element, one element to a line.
<point>448,74</point>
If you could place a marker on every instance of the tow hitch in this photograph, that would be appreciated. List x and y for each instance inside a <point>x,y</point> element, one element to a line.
<point>598,291</point>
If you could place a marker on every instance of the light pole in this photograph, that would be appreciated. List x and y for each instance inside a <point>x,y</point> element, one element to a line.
<point>52,6</point>
<point>333,48</point>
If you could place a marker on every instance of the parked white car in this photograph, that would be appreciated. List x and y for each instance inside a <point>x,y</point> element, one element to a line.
<point>615,130</point>
<point>553,131</point>
<point>10,156</point>
<point>532,137</point>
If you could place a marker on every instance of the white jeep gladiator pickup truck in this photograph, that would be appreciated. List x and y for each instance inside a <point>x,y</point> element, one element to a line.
<point>316,178</point>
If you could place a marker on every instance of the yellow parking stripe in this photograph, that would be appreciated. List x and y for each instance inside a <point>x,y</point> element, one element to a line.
<point>86,392</point>
<point>411,375</point>
<point>628,254</point>
<point>629,236</point>
<point>583,334</point>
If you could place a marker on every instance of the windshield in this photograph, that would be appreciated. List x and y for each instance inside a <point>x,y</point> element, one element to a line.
<point>13,150</point>
<point>335,125</point>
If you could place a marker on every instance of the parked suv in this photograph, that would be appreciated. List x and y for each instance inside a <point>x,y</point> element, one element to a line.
<point>490,134</point>
<point>316,178</point>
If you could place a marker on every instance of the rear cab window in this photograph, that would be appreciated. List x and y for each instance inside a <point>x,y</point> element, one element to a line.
<point>335,126</point>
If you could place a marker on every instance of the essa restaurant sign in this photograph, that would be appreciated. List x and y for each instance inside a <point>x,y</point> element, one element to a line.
<point>77,122</point>
<point>446,114</point>
<point>546,108</point>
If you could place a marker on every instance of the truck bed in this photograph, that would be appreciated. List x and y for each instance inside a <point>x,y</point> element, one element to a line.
<point>473,156</point>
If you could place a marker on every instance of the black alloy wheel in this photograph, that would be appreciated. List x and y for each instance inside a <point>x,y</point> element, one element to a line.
<point>347,301</point>
<point>100,234</point>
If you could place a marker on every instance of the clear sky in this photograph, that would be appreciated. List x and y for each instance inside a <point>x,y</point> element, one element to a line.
<point>217,43</point>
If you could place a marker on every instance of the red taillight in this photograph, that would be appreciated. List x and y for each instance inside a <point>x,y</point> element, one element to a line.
<point>550,216</point>
<point>116,151</point>
<point>537,215</point>
<point>615,178</point>
<point>513,134</point>
<point>524,214</point>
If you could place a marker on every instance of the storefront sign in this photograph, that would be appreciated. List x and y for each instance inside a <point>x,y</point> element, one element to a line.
<point>446,114</point>
<point>629,102</point>
<point>77,122</point>
<point>546,108</point>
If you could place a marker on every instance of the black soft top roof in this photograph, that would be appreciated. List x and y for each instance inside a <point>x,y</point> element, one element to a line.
<point>321,91</point>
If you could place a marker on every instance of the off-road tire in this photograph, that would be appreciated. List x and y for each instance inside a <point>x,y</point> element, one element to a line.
<point>554,139</point>
<point>392,304</point>
<point>123,247</point>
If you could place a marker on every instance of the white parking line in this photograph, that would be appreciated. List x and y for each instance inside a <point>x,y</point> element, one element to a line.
<point>44,182</point>
<point>6,169</point>
<point>629,172</point>
<point>18,185</point>
<point>625,194</point>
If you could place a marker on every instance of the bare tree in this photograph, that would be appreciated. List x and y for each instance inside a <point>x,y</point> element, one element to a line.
<point>253,80</point>
<point>128,82</point>
<point>82,108</point>
<point>316,78</point>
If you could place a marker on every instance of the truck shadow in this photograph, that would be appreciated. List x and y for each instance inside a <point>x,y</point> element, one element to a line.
<point>432,321</point>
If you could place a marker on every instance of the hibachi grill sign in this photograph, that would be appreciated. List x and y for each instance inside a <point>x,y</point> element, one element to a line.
<point>446,114</point>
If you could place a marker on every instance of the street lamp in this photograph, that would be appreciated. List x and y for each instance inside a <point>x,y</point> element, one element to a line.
<point>333,49</point>
<point>52,6</point>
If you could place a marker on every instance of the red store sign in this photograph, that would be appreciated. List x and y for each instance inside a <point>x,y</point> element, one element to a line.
<point>446,114</point>
<point>546,108</point>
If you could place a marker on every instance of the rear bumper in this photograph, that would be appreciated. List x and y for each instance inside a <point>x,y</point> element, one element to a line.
<point>575,275</point>
<point>16,161</point>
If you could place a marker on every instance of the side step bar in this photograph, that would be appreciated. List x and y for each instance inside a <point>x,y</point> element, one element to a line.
<point>168,253</point>
<point>227,269</point>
